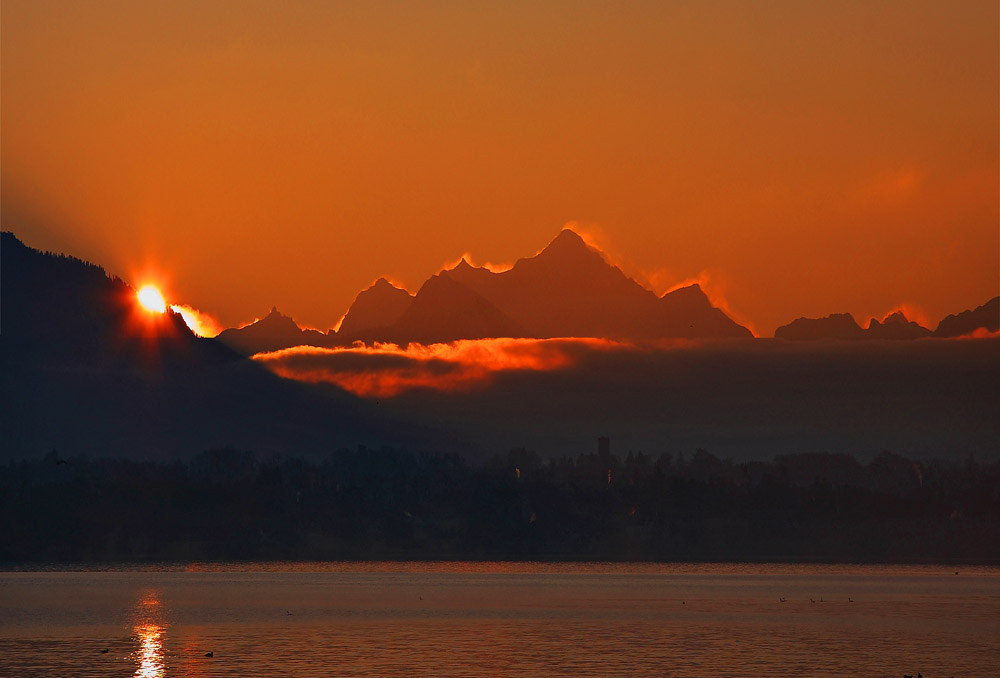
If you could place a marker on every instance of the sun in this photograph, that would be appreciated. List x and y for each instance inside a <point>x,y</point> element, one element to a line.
<point>151,299</point>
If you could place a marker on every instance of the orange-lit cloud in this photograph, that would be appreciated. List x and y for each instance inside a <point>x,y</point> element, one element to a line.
<point>980,333</point>
<point>385,370</point>
<point>199,322</point>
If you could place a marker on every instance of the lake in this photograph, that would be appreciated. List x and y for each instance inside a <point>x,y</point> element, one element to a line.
<point>500,619</point>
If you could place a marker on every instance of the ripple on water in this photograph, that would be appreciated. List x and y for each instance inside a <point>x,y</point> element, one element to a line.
<point>493,620</point>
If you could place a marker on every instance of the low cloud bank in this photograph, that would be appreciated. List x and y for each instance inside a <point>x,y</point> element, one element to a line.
<point>928,398</point>
<point>386,370</point>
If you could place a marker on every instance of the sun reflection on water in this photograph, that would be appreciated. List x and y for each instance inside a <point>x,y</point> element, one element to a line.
<point>148,630</point>
<point>150,655</point>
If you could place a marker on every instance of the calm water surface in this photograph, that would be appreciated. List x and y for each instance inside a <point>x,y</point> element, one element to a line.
<point>501,619</point>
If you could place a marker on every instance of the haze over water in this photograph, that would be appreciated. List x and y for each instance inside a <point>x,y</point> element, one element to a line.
<point>501,619</point>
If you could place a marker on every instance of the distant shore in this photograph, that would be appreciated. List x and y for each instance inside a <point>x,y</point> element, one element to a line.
<point>231,506</point>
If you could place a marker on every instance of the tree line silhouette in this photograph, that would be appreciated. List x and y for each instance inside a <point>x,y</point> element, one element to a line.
<point>229,504</point>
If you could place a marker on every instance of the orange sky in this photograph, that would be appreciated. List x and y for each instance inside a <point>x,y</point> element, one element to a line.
<point>807,157</point>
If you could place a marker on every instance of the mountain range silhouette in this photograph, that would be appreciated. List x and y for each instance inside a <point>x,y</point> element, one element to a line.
<point>895,326</point>
<point>566,290</point>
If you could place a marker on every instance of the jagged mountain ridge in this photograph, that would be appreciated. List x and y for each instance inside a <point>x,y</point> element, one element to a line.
<point>568,289</point>
<point>895,326</point>
<point>842,326</point>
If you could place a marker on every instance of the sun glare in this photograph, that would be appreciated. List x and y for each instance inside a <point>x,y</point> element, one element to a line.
<point>151,299</point>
